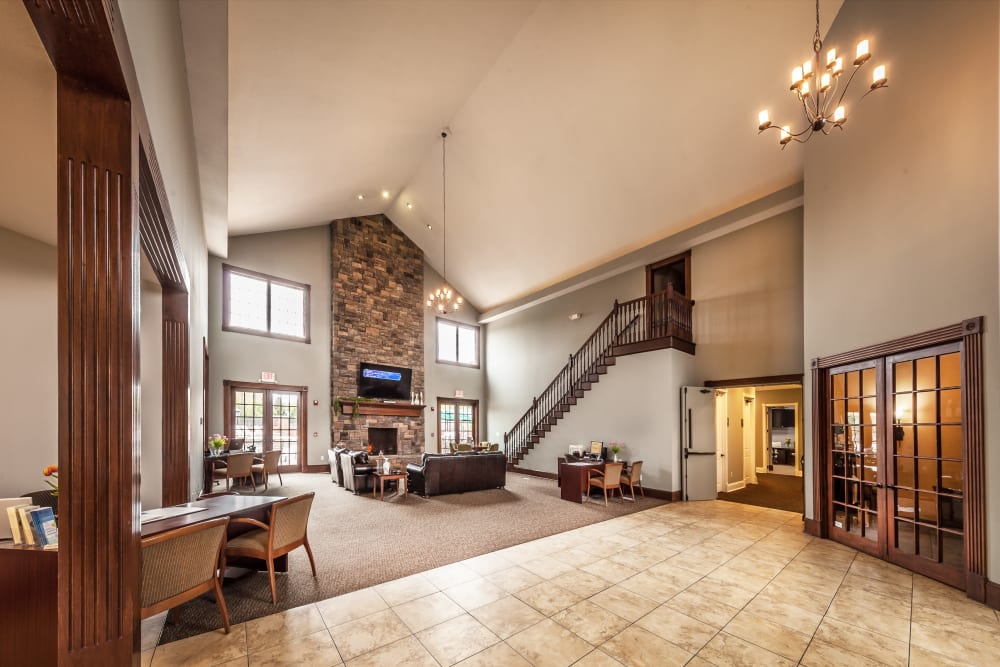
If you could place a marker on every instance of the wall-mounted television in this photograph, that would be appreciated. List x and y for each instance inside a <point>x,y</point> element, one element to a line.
<point>381,381</point>
<point>782,418</point>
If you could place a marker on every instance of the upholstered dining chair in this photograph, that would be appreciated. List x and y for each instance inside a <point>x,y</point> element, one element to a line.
<point>611,479</point>
<point>287,530</point>
<point>181,564</point>
<point>267,465</point>
<point>633,478</point>
<point>463,447</point>
<point>238,466</point>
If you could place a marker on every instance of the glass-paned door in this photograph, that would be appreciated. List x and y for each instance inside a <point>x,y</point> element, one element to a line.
<point>458,422</point>
<point>268,418</point>
<point>856,492</point>
<point>925,476</point>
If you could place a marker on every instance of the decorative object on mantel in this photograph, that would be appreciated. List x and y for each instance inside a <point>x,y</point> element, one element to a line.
<point>444,299</point>
<point>53,472</point>
<point>338,404</point>
<point>822,114</point>
<point>373,406</point>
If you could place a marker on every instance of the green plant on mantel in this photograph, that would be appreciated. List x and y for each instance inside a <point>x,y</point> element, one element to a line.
<point>339,401</point>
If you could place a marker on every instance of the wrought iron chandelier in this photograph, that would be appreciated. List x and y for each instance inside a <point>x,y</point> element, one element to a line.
<point>444,298</point>
<point>817,89</point>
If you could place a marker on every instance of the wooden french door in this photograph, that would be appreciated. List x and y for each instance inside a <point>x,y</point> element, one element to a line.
<point>896,460</point>
<point>268,417</point>
<point>458,421</point>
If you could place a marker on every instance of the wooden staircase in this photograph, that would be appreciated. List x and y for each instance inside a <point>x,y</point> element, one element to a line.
<point>653,322</point>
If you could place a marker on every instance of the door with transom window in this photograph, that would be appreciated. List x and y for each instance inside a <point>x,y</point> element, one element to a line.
<point>266,417</point>
<point>895,466</point>
<point>458,422</point>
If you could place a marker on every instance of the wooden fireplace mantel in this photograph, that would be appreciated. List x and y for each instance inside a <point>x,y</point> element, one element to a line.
<point>386,409</point>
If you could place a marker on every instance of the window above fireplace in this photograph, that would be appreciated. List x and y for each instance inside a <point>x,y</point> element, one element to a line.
<point>457,343</point>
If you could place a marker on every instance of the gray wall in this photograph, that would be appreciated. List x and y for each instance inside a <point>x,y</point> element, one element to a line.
<point>154,35</point>
<point>29,394</point>
<point>441,380</point>
<point>747,286</point>
<point>151,393</point>
<point>901,231</point>
<point>302,255</point>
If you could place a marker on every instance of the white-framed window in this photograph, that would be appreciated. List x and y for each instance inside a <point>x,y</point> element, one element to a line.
<point>457,343</point>
<point>262,305</point>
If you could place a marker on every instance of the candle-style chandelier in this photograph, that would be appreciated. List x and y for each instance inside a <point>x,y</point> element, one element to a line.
<point>444,298</point>
<point>817,89</point>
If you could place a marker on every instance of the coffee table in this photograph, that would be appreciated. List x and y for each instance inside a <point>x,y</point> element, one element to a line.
<point>382,477</point>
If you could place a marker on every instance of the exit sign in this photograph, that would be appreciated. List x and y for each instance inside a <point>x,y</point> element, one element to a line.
<point>268,376</point>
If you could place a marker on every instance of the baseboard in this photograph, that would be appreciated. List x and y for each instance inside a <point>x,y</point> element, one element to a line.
<point>992,595</point>
<point>735,486</point>
<point>669,496</point>
<point>319,467</point>
<point>762,470</point>
<point>536,473</point>
<point>811,527</point>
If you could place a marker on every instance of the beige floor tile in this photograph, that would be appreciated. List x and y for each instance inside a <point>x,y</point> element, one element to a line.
<point>745,580</point>
<point>235,662</point>
<point>203,650</point>
<point>884,588</point>
<point>625,603</point>
<point>954,645</point>
<point>577,557</point>
<point>726,650</point>
<point>977,626</point>
<point>548,598</point>
<point>405,589</point>
<point>456,639</point>
<point>670,572</point>
<point>751,565</point>
<point>514,579</point>
<point>424,612</point>
<point>700,559</point>
<point>498,655</point>
<point>312,650</point>
<point>547,567</point>
<point>150,629</point>
<point>548,644</point>
<point>407,651</point>
<point>706,610</point>
<point>734,596</point>
<point>450,575</point>
<point>788,615</point>
<point>488,564</point>
<point>769,635</point>
<point>821,654</point>
<point>921,657</point>
<point>146,658</point>
<point>475,593</point>
<point>609,570</point>
<point>801,597</point>
<point>699,662</point>
<point>869,644</point>
<point>279,628</point>
<point>651,586</point>
<point>635,647</point>
<point>591,622</point>
<point>597,658</point>
<point>870,616</point>
<point>507,616</point>
<point>368,633</point>
<point>636,560</point>
<point>873,568</point>
<point>341,609</point>
<point>584,583</point>
<point>687,632</point>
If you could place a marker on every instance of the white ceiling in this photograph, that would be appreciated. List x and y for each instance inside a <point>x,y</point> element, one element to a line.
<point>581,130</point>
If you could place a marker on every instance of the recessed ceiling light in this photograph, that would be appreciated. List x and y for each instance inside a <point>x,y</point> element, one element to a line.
<point>429,227</point>
<point>360,196</point>
<point>385,194</point>
<point>409,204</point>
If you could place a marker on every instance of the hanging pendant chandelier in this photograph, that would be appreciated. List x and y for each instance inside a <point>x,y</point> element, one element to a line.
<point>816,87</point>
<point>444,298</point>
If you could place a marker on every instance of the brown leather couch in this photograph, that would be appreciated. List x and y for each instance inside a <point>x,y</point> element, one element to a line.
<point>457,473</point>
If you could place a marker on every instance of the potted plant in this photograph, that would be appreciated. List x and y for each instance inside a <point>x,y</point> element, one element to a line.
<point>217,443</point>
<point>615,448</point>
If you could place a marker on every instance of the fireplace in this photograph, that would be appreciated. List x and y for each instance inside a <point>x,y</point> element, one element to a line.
<point>383,440</point>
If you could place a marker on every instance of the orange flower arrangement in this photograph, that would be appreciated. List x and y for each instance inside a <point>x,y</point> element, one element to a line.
<point>53,472</point>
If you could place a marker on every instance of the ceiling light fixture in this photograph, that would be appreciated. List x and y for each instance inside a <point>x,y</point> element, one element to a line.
<point>385,194</point>
<point>444,298</point>
<point>360,196</point>
<point>822,113</point>
<point>409,204</point>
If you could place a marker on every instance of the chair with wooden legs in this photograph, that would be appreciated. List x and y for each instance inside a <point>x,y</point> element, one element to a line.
<point>239,466</point>
<point>611,479</point>
<point>634,478</point>
<point>287,530</point>
<point>267,465</point>
<point>181,564</point>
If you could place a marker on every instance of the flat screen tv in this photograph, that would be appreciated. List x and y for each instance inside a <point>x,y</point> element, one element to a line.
<point>386,382</point>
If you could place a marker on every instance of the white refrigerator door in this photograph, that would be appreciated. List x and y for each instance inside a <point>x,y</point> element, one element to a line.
<point>698,452</point>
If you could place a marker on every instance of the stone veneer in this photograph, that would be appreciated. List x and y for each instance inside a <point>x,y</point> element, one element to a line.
<point>377,316</point>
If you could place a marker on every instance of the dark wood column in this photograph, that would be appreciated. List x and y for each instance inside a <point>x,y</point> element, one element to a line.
<point>176,371</point>
<point>975,459</point>
<point>98,378</point>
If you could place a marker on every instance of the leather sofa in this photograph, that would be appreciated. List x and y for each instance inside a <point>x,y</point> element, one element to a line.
<point>438,474</point>
<point>336,468</point>
<point>357,471</point>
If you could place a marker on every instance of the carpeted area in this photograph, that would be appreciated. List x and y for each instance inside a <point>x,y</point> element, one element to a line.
<point>780,492</point>
<point>359,541</point>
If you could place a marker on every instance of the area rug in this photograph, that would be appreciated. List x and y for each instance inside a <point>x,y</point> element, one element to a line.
<point>359,541</point>
<point>780,492</point>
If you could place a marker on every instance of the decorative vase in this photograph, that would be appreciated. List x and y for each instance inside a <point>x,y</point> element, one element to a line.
<point>616,458</point>
<point>386,467</point>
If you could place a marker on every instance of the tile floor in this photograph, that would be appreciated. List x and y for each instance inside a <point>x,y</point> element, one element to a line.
<point>711,583</point>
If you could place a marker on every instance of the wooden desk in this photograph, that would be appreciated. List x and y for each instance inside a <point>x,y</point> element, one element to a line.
<point>28,609</point>
<point>573,479</point>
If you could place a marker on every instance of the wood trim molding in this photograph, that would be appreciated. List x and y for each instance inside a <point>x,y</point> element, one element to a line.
<point>228,270</point>
<point>948,334</point>
<point>811,527</point>
<point>156,228</point>
<point>176,471</point>
<point>992,595</point>
<point>534,473</point>
<point>763,380</point>
<point>303,391</point>
<point>974,464</point>
<point>669,496</point>
<point>386,409</point>
<point>820,466</point>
